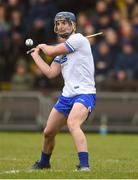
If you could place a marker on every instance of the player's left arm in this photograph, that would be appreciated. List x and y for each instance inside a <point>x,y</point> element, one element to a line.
<point>54,50</point>
<point>73,43</point>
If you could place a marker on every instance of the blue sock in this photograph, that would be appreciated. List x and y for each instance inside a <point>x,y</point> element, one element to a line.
<point>45,159</point>
<point>83,157</point>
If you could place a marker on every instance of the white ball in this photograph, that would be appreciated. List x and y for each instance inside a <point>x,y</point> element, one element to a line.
<point>29,42</point>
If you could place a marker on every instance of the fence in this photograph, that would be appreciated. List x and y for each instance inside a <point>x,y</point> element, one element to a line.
<point>26,111</point>
<point>23,110</point>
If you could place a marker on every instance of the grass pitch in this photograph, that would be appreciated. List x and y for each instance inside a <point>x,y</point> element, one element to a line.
<point>111,156</point>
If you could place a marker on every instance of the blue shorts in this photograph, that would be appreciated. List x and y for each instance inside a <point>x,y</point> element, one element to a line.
<point>65,104</point>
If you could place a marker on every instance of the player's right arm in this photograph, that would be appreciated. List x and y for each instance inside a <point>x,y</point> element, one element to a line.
<point>50,71</point>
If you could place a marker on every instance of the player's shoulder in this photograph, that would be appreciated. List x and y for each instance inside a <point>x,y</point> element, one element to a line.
<point>77,35</point>
<point>75,41</point>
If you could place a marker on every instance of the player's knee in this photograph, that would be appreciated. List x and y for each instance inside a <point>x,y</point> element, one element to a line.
<point>48,134</point>
<point>72,125</point>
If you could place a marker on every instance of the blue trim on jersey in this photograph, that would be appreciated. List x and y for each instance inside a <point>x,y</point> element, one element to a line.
<point>57,59</point>
<point>65,104</point>
<point>63,59</point>
<point>69,47</point>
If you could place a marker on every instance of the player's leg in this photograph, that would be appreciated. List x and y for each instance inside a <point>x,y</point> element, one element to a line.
<point>55,122</point>
<point>76,117</point>
<point>83,105</point>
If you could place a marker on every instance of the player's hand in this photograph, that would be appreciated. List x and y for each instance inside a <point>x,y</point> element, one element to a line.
<point>41,46</point>
<point>35,51</point>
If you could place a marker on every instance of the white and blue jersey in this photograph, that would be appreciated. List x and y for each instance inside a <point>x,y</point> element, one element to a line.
<point>77,67</point>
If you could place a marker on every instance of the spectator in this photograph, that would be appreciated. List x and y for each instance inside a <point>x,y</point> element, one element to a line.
<point>113,42</point>
<point>101,8</point>
<point>4,30</point>
<point>37,31</point>
<point>130,5</point>
<point>16,4</point>
<point>4,42</point>
<point>22,79</point>
<point>41,82</point>
<point>41,16</point>
<point>134,22</point>
<point>115,18</point>
<point>88,30</point>
<point>104,21</point>
<point>17,46</point>
<point>17,23</point>
<point>112,6</point>
<point>126,31</point>
<point>126,62</point>
<point>82,22</point>
<point>24,19</point>
<point>103,62</point>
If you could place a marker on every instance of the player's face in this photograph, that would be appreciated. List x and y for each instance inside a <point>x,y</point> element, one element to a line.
<point>64,27</point>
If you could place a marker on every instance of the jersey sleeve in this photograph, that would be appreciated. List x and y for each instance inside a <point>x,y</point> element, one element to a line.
<point>74,42</point>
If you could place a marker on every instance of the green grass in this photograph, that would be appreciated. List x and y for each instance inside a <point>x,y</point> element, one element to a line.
<point>112,156</point>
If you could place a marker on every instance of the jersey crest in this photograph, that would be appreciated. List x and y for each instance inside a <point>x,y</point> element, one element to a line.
<point>63,59</point>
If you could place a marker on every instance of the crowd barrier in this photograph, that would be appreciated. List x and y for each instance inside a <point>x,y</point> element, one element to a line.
<point>28,111</point>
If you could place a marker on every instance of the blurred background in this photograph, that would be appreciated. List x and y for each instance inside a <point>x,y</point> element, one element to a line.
<point>27,96</point>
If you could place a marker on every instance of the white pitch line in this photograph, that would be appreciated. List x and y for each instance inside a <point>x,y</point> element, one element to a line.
<point>26,171</point>
<point>30,171</point>
<point>10,172</point>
